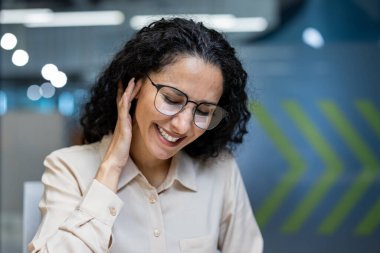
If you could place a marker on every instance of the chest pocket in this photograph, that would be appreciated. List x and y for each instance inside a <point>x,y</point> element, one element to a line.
<point>203,244</point>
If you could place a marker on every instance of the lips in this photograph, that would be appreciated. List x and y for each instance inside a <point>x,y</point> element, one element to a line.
<point>167,136</point>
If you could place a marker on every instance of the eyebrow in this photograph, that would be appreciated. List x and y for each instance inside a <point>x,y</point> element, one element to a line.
<point>189,98</point>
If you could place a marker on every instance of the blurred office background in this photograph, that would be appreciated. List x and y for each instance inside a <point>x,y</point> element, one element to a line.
<point>311,161</point>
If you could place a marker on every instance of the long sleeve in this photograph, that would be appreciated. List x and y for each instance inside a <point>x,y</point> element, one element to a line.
<point>73,219</point>
<point>239,231</point>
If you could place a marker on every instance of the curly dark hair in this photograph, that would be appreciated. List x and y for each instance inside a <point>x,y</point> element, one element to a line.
<point>156,46</point>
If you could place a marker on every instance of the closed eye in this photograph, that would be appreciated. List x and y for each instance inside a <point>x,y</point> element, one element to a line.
<point>202,113</point>
<point>170,100</point>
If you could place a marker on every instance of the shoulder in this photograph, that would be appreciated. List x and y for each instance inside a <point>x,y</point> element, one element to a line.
<point>80,154</point>
<point>225,162</point>
<point>223,167</point>
<point>74,151</point>
<point>80,162</point>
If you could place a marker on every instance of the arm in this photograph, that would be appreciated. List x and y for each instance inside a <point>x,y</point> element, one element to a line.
<point>76,222</point>
<point>73,221</point>
<point>117,153</point>
<point>239,231</point>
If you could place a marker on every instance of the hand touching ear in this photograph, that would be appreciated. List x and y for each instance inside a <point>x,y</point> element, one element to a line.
<point>117,153</point>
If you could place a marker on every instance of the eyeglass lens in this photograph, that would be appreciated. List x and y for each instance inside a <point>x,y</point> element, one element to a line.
<point>170,101</point>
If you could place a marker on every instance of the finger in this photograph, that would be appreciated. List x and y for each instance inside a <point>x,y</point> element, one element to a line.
<point>119,91</point>
<point>128,91</point>
<point>122,99</point>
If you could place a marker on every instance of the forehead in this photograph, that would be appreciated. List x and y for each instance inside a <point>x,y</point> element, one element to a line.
<point>200,80</point>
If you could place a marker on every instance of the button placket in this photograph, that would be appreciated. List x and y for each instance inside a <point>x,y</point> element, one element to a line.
<point>152,201</point>
<point>156,211</point>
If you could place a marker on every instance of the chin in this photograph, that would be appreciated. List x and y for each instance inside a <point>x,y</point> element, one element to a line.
<point>162,154</point>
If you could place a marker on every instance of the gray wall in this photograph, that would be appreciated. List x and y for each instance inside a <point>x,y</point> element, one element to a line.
<point>26,138</point>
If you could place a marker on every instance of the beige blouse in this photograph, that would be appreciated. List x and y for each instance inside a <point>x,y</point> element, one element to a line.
<point>199,208</point>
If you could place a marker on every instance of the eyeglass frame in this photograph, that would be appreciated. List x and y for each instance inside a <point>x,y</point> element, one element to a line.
<point>160,86</point>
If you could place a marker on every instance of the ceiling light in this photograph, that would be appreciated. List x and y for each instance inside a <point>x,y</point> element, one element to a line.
<point>20,16</point>
<point>59,79</point>
<point>20,57</point>
<point>48,18</point>
<point>47,90</point>
<point>66,104</point>
<point>34,92</point>
<point>313,38</point>
<point>48,71</point>
<point>3,102</point>
<point>220,22</point>
<point>8,41</point>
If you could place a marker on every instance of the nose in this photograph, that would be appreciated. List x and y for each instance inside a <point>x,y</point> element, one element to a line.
<point>183,121</point>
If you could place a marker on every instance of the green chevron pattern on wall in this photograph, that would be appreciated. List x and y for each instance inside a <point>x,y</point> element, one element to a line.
<point>335,166</point>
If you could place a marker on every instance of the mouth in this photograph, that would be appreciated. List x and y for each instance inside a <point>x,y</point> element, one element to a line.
<point>167,137</point>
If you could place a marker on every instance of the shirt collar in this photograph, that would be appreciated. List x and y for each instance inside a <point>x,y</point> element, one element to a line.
<point>182,169</point>
<point>185,170</point>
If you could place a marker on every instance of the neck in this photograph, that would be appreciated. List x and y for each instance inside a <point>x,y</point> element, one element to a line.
<point>155,170</point>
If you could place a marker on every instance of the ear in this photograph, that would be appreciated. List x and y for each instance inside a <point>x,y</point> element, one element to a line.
<point>137,95</point>
<point>137,90</point>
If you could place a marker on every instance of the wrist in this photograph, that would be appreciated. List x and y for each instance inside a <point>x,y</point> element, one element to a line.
<point>108,175</point>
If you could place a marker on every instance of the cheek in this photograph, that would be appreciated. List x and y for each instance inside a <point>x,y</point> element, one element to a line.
<point>141,114</point>
<point>144,104</point>
<point>146,113</point>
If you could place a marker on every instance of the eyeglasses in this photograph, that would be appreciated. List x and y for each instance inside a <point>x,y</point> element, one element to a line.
<point>170,101</point>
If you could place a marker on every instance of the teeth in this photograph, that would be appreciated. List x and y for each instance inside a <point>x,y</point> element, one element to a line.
<point>167,136</point>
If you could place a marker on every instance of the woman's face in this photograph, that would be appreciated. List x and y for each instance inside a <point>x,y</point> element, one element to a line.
<point>163,136</point>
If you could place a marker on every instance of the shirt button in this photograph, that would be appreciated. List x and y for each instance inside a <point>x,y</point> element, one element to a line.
<point>152,199</point>
<point>156,233</point>
<point>113,211</point>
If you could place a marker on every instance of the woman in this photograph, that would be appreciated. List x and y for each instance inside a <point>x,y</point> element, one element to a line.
<point>156,174</point>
